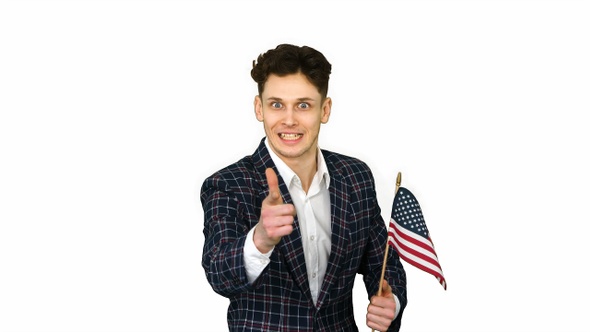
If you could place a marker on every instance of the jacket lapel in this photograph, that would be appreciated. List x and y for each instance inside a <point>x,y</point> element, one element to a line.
<point>340,233</point>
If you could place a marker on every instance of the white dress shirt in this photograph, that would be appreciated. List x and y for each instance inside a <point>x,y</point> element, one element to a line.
<point>313,215</point>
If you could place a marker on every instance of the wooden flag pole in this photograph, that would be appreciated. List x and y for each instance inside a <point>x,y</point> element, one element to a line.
<point>398,182</point>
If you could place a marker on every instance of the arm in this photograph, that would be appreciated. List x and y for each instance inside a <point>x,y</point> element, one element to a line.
<point>241,231</point>
<point>226,224</point>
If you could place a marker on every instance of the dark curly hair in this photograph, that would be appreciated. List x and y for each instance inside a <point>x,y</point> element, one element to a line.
<point>288,59</point>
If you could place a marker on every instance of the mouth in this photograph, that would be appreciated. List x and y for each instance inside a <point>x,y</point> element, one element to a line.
<point>290,136</point>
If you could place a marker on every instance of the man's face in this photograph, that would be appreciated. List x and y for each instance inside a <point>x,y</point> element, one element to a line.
<point>292,111</point>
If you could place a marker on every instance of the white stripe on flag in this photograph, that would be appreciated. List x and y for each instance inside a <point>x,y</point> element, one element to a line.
<point>397,229</point>
<point>412,257</point>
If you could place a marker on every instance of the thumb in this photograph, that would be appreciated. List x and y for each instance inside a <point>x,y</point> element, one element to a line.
<point>386,290</point>
<point>274,194</point>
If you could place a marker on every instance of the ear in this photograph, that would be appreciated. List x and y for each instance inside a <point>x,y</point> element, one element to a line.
<point>326,110</point>
<point>258,108</point>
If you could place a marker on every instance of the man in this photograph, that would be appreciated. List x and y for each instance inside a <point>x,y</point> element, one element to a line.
<point>288,228</point>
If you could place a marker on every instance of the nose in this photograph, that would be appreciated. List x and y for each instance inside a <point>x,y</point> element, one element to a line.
<point>289,119</point>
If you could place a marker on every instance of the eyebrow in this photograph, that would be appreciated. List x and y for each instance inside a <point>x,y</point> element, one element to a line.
<point>298,99</point>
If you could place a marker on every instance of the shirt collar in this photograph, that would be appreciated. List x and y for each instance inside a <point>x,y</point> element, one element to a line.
<point>287,173</point>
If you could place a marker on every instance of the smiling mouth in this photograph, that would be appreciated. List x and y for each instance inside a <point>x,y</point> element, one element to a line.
<point>290,137</point>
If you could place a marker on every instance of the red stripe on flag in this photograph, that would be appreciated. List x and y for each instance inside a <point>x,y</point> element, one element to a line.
<point>423,243</point>
<point>398,237</point>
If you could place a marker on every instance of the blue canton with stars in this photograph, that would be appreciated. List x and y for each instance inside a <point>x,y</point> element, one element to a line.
<point>406,211</point>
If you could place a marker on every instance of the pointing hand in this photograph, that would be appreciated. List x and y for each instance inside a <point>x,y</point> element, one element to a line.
<point>276,218</point>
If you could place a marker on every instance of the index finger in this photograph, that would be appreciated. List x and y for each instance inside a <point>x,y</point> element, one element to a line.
<point>273,186</point>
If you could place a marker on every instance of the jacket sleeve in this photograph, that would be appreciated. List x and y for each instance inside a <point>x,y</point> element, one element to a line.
<point>227,221</point>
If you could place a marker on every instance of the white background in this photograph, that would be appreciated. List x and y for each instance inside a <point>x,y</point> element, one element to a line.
<point>114,112</point>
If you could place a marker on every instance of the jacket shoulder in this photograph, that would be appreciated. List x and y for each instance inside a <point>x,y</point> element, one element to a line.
<point>237,174</point>
<point>346,165</point>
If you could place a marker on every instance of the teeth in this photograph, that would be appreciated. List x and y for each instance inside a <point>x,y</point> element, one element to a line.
<point>290,136</point>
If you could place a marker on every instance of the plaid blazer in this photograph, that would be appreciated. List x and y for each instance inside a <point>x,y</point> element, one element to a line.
<point>280,299</point>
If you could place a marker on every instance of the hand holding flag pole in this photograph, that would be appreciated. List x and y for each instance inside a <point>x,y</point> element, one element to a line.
<point>408,234</point>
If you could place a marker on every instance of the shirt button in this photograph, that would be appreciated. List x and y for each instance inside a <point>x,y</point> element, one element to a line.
<point>313,275</point>
<point>312,237</point>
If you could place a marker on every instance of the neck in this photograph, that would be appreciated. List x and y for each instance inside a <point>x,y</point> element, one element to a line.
<point>305,170</point>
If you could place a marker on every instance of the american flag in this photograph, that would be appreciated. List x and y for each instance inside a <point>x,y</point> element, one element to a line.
<point>410,237</point>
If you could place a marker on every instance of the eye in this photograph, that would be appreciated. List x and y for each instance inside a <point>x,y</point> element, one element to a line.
<point>304,106</point>
<point>276,104</point>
